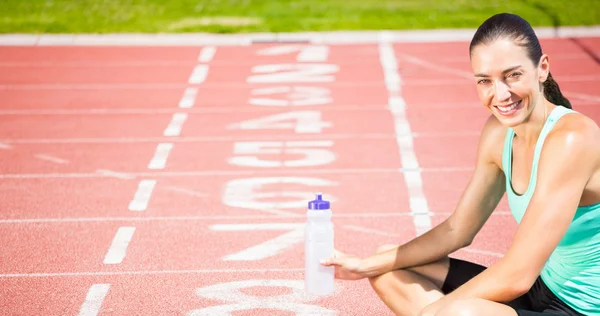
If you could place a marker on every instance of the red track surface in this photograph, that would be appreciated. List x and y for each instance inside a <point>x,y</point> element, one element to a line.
<point>79,129</point>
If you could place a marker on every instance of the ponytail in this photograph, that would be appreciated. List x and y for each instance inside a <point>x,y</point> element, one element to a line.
<point>553,94</point>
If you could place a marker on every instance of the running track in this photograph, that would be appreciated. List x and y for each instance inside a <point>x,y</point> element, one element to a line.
<point>174,180</point>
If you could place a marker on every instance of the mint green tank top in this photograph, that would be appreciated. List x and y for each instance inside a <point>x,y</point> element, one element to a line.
<point>573,270</point>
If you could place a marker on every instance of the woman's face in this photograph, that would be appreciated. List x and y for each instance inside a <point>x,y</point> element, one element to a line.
<point>508,83</point>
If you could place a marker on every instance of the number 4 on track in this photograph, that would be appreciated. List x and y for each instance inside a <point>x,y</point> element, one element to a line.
<point>300,121</point>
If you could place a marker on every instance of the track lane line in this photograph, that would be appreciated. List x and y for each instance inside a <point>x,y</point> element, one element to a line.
<point>461,73</point>
<point>378,232</point>
<point>199,74</point>
<point>66,220</point>
<point>159,160</point>
<point>167,174</point>
<point>240,40</point>
<point>397,107</point>
<point>114,174</point>
<point>188,99</point>
<point>118,247</point>
<point>51,159</point>
<point>142,195</point>
<point>343,60</point>
<point>94,299</point>
<point>187,102</point>
<point>176,124</point>
<point>228,139</point>
<point>179,86</point>
<point>206,54</point>
<point>146,272</point>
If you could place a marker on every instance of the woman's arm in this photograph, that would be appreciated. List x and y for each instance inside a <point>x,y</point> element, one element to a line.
<point>570,157</point>
<point>480,198</point>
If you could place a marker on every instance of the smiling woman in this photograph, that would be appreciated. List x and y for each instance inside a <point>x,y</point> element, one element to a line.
<point>546,158</point>
<point>500,70</point>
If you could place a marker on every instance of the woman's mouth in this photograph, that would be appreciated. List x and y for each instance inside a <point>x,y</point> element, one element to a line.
<point>509,109</point>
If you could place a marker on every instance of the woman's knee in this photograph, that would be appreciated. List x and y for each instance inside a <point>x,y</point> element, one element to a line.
<point>391,281</point>
<point>459,308</point>
<point>475,306</point>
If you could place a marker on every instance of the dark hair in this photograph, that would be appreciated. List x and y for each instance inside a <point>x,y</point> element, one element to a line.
<point>516,28</point>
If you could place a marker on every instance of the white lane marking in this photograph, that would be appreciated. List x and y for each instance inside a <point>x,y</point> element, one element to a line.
<point>5,146</point>
<point>142,195</point>
<point>175,125</point>
<point>274,137</point>
<point>115,174</point>
<point>212,217</point>
<point>206,54</point>
<point>51,159</point>
<point>226,108</point>
<point>118,248</point>
<point>437,67</point>
<point>166,174</point>
<point>233,85</point>
<point>189,98</point>
<point>199,74</point>
<point>397,106</point>
<point>160,156</point>
<point>113,63</point>
<point>94,299</point>
<point>332,38</point>
<point>342,60</point>
<point>146,272</point>
<point>371,231</point>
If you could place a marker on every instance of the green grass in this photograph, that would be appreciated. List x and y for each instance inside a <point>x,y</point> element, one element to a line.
<point>227,16</point>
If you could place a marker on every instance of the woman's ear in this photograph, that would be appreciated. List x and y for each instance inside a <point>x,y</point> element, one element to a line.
<point>544,68</point>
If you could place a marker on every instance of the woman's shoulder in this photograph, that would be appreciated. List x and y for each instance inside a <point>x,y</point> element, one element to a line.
<point>576,131</point>
<point>577,123</point>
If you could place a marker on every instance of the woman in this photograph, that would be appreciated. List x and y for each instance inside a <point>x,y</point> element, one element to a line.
<point>546,157</point>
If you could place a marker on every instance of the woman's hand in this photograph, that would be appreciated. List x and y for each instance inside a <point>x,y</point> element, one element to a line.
<point>347,267</point>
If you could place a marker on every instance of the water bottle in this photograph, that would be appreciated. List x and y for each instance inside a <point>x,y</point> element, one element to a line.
<point>318,245</point>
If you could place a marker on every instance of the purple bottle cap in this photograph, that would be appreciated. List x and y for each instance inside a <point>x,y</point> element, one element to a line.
<point>319,203</point>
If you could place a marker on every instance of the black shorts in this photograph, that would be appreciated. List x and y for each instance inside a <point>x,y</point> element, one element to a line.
<point>539,300</point>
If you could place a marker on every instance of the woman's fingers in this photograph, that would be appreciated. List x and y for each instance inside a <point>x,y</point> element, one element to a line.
<point>330,262</point>
<point>335,260</point>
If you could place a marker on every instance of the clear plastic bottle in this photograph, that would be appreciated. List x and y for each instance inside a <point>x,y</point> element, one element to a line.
<point>318,245</point>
